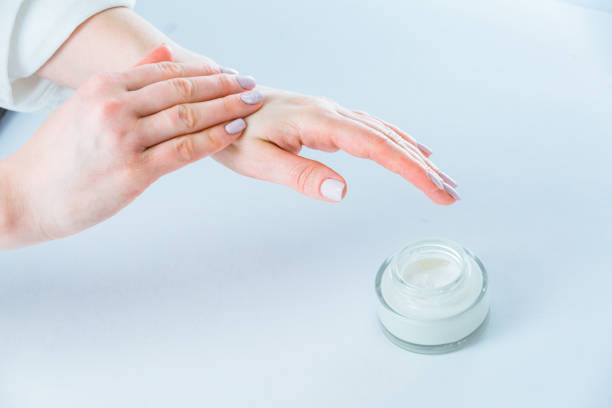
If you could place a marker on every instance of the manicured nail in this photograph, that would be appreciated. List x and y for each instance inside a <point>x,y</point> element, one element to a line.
<point>251,98</point>
<point>436,179</point>
<point>229,71</point>
<point>424,148</point>
<point>452,192</point>
<point>235,126</point>
<point>447,179</point>
<point>246,81</point>
<point>332,189</point>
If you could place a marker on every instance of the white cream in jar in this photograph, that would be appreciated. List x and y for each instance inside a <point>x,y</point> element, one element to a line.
<point>432,296</point>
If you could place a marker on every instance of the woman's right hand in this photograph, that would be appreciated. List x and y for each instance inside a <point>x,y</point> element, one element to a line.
<point>114,137</point>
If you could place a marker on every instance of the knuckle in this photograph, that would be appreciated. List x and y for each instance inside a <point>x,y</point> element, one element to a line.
<point>302,175</point>
<point>291,137</point>
<point>184,87</point>
<point>326,103</point>
<point>170,69</point>
<point>217,139</point>
<point>213,143</point>
<point>184,149</point>
<point>186,116</point>
<point>379,143</point>
<point>210,69</point>
<point>224,83</point>
<point>110,108</point>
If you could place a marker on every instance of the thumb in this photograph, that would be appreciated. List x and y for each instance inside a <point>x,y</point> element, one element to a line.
<point>306,176</point>
<point>158,54</point>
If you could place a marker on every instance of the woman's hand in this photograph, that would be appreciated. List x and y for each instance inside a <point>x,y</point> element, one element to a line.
<point>269,148</point>
<point>115,136</point>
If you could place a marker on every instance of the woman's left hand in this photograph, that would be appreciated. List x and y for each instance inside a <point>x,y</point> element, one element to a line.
<point>268,150</point>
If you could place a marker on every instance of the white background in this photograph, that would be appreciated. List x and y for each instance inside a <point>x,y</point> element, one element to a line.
<point>216,290</point>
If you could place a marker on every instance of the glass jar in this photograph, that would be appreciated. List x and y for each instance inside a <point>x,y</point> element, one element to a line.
<point>432,296</point>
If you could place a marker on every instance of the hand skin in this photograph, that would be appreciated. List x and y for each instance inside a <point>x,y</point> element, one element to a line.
<point>114,137</point>
<point>83,171</point>
<point>268,150</point>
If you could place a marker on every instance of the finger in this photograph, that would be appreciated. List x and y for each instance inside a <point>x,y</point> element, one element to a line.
<point>161,95</point>
<point>360,140</point>
<point>412,149</point>
<point>384,131</point>
<point>176,153</point>
<point>158,54</point>
<point>422,153</point>
<point>276,165</point>
<point>423,148</point>
<point>192,117</point>
<point>143,75</point>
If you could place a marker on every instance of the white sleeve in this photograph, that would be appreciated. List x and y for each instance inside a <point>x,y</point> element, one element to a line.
<point>30,33</point>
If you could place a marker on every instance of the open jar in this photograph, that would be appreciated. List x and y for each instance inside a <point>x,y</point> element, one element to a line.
<point>432,296</point>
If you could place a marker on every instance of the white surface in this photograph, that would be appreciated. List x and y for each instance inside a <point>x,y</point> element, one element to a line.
<point>220,291</point>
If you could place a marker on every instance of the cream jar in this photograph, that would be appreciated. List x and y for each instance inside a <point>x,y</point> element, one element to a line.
<point>432,296</point>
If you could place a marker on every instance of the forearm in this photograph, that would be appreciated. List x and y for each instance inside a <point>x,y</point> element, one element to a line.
<point>110,41</point>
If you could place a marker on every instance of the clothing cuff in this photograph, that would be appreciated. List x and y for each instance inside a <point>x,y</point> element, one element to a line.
<point>39,33</point>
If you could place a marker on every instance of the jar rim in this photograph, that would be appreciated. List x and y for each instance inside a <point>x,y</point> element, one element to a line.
<point>446,249</point>
<point>468,254</point>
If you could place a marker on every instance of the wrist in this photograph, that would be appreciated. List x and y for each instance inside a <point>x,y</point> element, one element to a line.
<point>110,41</point>
<point>15,231</point>
<point>8,214</point>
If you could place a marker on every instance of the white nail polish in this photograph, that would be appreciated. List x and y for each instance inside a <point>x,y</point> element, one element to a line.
<point>332,189</point>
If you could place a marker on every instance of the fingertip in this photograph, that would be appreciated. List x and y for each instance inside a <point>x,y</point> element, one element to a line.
<point>440,192</point>
<point>236,126</point>
<point>424,149</point>
<point>165,52</point>
<point>253,97</point>
<point>441,197</point>
<point>226,70</point>
<point>452,192</point>
<point>333,190</point>
<point>448,180</point>
<point>246,81</point>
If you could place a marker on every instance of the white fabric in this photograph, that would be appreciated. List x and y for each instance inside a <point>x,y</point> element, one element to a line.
<point>30,33</point>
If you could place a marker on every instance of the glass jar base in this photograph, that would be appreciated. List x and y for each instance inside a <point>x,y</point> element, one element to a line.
<point>436,348</point>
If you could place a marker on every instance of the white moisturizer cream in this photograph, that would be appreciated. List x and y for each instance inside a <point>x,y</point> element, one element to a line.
<point>432,296</point>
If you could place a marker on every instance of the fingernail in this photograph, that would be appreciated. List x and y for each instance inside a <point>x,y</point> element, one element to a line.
<point>436,180</point>
<point>332,189</point>
<point>231,71</point>
<point>246,81</point>
<point>235,126</point>
<point>424,148</point>
<point>447,179</point>
<point>452,192</point>
<point>251,98</point>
